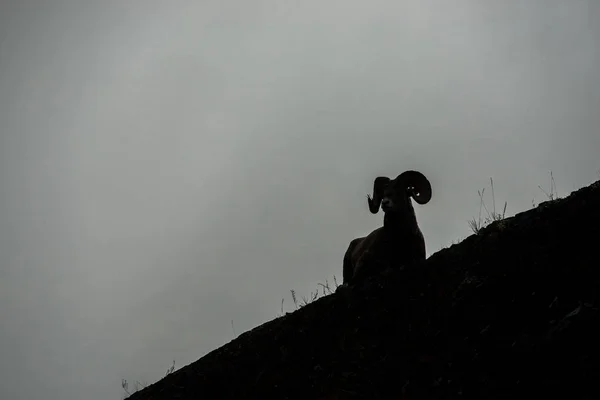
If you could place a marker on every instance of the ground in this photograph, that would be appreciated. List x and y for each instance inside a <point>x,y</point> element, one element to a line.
<point>510,312</point>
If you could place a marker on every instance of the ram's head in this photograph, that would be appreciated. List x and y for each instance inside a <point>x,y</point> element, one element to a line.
<point>394,195</point>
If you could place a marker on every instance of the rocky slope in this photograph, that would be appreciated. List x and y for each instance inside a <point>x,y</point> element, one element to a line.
<point>512,311</point>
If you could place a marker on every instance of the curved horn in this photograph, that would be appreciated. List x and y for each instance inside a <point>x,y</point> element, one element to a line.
<point>419,186</point>
<point>378,187</point>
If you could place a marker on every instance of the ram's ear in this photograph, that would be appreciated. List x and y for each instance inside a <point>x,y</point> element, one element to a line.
<point>378,188</point>
<point>418,186</point>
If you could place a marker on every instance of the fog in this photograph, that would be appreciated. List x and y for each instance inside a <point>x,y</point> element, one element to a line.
<point>169,171</point>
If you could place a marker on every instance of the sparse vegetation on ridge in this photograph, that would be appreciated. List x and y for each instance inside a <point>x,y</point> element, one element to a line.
<point>491,216</point>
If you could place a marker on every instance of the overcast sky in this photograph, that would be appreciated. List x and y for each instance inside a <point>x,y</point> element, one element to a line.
<point>168,167</point>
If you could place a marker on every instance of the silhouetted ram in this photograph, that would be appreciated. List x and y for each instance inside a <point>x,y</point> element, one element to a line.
<point>399,241</point>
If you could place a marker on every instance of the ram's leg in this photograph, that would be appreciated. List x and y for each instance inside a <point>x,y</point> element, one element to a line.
<point>361,269</point>
<point>370,266</point>
<point>348,270</point>
<point>349,264</point>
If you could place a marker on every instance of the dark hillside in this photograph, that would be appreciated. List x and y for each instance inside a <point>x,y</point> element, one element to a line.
<point>509,312</point>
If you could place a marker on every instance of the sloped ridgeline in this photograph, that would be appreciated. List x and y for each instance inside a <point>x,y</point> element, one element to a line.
<point>509,312</point>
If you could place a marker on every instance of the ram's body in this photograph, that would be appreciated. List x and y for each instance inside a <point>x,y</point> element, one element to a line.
<point>400,240</point>
<point>381,249</point>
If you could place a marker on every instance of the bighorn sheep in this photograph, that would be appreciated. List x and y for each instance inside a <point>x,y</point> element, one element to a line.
<point>399,241</point>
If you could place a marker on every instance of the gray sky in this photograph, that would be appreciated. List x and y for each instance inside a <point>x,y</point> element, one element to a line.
<point>168,167</point>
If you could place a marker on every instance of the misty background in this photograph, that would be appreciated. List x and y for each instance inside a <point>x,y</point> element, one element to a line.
<point>167,168</point>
